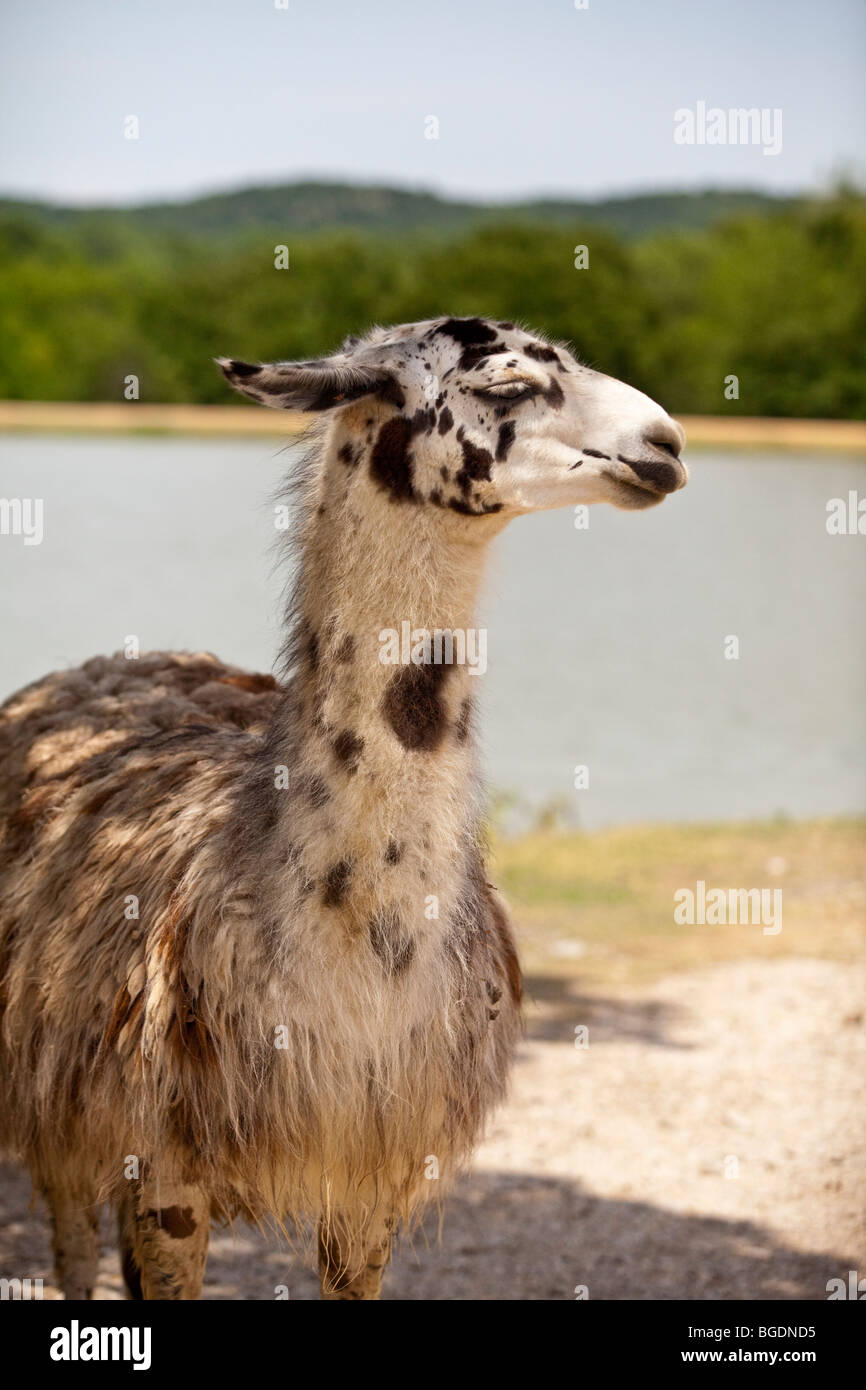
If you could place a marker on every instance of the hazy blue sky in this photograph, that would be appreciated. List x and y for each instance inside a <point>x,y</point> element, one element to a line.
<point>531,95</point>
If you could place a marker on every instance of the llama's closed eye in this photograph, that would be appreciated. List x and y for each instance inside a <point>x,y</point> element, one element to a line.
<point>506,391</point>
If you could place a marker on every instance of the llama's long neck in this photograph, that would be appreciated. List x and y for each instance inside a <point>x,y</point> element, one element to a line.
<point>379,754</point>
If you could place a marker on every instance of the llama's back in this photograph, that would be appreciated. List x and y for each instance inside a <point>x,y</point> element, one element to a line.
<point>115,777</point>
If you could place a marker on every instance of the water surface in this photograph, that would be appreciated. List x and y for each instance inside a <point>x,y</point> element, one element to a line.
<point>605,646</point>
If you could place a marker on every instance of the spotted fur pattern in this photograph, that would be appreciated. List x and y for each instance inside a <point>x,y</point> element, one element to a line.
<point>250,962</point>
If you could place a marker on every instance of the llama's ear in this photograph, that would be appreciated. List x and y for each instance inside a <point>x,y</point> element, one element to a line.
<point>320,385</point>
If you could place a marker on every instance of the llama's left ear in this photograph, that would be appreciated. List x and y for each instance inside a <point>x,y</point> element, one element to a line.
<point>321,385</point>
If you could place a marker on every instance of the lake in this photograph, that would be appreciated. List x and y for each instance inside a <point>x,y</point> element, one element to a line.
<point>606,646</point>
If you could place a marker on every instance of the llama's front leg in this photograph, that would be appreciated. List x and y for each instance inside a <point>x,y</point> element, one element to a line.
<point>353,1267</point>
<point>75,1224</point>
<point>164,1227</point>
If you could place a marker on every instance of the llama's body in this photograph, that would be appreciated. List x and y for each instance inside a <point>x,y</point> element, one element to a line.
<point>249,958</point>
<point>250,1041</point>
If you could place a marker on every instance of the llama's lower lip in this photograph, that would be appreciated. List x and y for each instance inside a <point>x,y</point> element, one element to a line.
<point>637,495</point>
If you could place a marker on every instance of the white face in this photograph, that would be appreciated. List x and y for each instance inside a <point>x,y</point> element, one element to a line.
<point>482,417</point>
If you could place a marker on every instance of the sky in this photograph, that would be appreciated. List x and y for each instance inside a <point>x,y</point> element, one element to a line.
<point>531,96</point>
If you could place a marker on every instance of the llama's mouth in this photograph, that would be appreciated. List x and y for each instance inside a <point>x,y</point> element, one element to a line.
<point>631,496</point>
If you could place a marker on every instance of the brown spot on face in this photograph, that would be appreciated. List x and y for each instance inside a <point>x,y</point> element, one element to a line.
<point>540,352</point>
<point>446,421</point>
<point>477,463</point>
<point>394,949</point>
<point>391,461</point>
<point>553,394</point>
<point>335,884</point>
<point>392,392</point>
<point>504,440</point>
<point>394,852</point>
<point>348,748</point>
<point>177,1222</point>
<point>348,455</point>
<point>346,650</point>
<point>465,331</point>
<point>412,705</point>
<point>476,356</point>
<point>423,421</point>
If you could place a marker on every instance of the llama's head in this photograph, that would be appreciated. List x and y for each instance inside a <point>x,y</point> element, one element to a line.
<point>479,417</point>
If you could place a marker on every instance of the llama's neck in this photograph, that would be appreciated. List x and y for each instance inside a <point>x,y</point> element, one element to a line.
<point>380,755</point>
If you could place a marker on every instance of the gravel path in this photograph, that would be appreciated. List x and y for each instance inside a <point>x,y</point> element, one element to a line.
<point>608,1166</point>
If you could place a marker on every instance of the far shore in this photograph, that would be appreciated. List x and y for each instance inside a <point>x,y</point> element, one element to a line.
<point>137,417</point>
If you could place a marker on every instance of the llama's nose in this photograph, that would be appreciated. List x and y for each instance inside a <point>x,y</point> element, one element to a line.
<point>660,464</point>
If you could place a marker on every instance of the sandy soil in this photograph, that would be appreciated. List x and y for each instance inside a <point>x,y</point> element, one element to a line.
<point>608,1166</point>
<point>134,416</point>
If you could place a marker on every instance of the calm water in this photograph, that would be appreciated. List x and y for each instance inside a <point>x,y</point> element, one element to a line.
<point>605,647</point>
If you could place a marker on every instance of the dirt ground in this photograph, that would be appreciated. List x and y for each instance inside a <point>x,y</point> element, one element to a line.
<point>708,1144</point>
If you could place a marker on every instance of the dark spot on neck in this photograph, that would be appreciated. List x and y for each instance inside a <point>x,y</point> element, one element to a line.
<point>412,706</point>
<point>348,748</point>
<point>446,420</point>
<point>394,852</point>
<point>335,884</point>
<point>348,454</point>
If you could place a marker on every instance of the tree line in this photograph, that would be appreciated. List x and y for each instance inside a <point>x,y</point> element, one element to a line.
<point>761,314</point>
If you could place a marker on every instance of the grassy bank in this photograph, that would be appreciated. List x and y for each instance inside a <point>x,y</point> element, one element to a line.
<point>601,905</point>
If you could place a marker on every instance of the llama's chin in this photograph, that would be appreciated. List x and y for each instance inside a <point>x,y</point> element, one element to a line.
<point>630,498</point>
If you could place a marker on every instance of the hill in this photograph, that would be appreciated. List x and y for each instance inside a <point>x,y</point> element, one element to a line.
<point>315,206</point>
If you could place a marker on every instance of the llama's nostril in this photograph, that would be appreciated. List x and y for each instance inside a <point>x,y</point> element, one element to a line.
<point>672,449</point>
<point>665,435</point>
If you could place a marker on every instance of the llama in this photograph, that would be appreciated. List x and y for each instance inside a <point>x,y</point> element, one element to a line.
<point>250,961</point>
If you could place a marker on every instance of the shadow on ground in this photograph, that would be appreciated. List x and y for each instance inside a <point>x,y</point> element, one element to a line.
<point>505,1236</point>
<point>554,1005</point>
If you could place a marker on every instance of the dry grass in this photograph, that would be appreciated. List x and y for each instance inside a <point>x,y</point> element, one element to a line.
<point>602,904</point>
